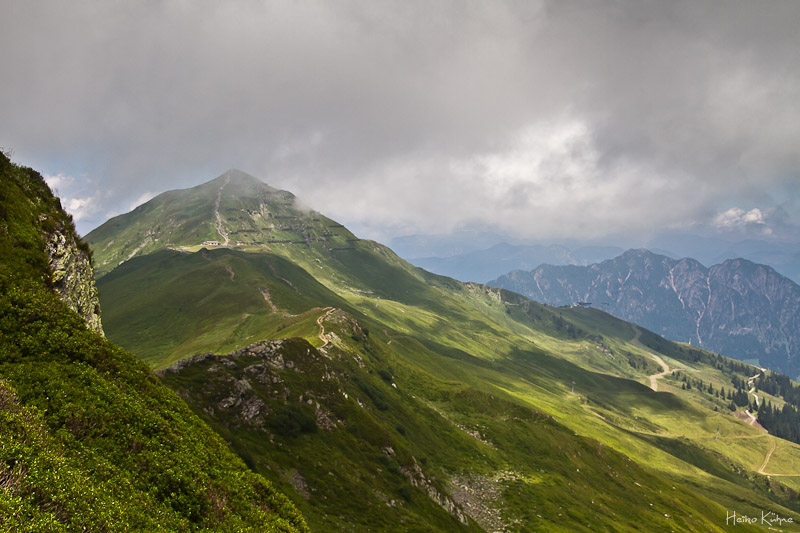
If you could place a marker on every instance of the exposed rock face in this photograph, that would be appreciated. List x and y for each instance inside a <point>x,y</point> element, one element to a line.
<point>73,277</point>
<point>479,496</point>
<point>418,478</point>
<point>242,395</point>
<point>737,308</point>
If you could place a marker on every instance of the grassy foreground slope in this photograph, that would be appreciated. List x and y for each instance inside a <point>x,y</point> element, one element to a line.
<point>399,449</point>
<point>435,403</point>
<point>90,440</point>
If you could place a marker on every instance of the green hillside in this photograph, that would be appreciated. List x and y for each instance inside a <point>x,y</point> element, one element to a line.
<point>406,450</point>
<point>89,439</point>
<point>169,305</point>
<point>435,404</point>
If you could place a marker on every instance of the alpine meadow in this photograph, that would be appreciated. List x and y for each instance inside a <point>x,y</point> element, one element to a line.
<point>378,396</point>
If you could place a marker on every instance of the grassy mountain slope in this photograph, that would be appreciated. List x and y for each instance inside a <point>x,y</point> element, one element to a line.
<point>519,414</point>
<point>89,439</point>
<point>396,441</point>
<point>169,305</point>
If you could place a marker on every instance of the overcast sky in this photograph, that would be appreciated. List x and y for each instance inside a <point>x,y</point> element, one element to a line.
<point>548,120</point>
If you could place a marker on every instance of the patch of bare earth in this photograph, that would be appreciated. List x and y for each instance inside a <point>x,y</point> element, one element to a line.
<point>479,496</point>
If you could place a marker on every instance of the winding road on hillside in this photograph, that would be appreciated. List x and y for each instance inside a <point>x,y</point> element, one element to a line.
<point>768,457</point>
<point>774,440</point>
<point>655,377</point>
<point>753,387</point>
<point>761,469</point>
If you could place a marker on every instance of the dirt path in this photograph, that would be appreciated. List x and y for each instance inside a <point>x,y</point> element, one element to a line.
<point>753,387</point>
<point>230,271</point>
<point>137,250</point>
<point>265,294</point>
<point>325,341</point>
<point>753,392</point>
<point>767,458</point>
<point>763,467</point>
<point>220,229</point>
<point>655,377</point>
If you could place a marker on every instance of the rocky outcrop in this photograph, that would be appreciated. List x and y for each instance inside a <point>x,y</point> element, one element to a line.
<point>738,308</point>
<point>417,477</point>
<point>73,277</point>
<point>248,384</point>
<point>260,390</point>
<point>480,497</point>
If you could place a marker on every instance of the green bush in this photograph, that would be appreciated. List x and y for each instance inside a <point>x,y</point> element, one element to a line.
<point>292,420</point>
<point>374,394</point>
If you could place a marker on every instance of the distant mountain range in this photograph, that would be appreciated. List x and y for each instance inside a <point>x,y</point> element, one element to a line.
<point>483,256</point>
<point>739,308</point>
<point>483,265</point>
<point>783,256</point>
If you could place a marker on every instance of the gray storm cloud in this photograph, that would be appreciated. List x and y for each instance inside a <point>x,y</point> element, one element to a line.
<point>545,119</point>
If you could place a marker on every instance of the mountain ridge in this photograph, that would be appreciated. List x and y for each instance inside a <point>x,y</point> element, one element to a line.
<point>484,265</point>
<point>729,308</point>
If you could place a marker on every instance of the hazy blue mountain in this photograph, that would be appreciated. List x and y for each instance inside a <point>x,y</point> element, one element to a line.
<point>444,245</point>
<point>484,255</point>
<point>783,256</point>
<point>483,265</point>
<point>739,308</point>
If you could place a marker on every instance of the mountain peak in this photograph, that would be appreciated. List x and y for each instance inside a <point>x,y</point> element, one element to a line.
<point>239,182</point>
<point>236,175</point>
<point>234,209</point>
<point>638,252</point>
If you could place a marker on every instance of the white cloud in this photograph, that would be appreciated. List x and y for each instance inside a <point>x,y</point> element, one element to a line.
<point>59,181</point>
<point>547,180</point>
<point>737,219</point>
<point>145,197</point>
<point>80,197</point>
<point>82,208</point>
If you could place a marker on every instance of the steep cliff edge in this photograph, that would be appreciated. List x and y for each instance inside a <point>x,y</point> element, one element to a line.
<point>73,276</point>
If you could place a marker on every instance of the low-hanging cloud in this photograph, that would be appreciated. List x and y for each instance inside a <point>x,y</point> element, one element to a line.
<point>545,118</point>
